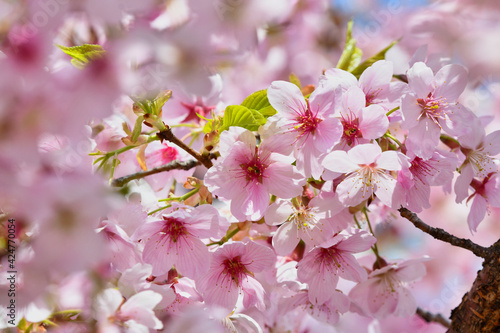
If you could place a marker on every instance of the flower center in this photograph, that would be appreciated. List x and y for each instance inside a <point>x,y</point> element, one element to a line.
<point>306,123</point>
<point>351,129</point>
<point>433,108</point>
<point>254,170</point>
<point>235,269</point>
<point>169,154</point>
<point>174,228</point>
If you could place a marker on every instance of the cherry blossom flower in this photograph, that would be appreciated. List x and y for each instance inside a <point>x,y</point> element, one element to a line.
<point>134,315</point>
<point>232,274</point>
<point>385,292</point>
<point>486,194</point>
<point>432,105</point>
<point>375,82</point>
<point>322,266</point>
<point>309,122</point>
<point>175,240</point>
<point>327,312</point>
<point>479,150</point>
<point>248,175</point>
<point>417,180</point>
<point>361,123</point>
<point>366,168</point>
<point>314,223</point>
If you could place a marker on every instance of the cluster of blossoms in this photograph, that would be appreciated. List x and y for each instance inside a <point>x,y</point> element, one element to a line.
<point>270,228</point>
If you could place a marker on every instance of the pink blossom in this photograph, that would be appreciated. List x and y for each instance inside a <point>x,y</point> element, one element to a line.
<point>375,82</point>
<point>385,292</point>
<point>314,223</point>
<point>310,122</point>
<point>486,194</point>
<point>367,173</point>
<point>175,240</point>
<point>231,274</point>
<point>432,105</point>
<point>479,150</point>
<point>417,180</point>
<point>248,175</point>
<point>322,266</point>
<point>134,315</point>
<point>327,312</point>
<point>361,123</point>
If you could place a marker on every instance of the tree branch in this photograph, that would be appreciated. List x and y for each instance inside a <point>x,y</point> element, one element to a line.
<point>431,317</point>
<point>174,165</point>
<point>444,236</point>
<point>169,136</point>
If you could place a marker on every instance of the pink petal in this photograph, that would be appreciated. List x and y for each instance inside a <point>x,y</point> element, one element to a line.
<point>254,293</point>
<point>420,79</point>
<point>423,139</point>
<point>492,189</point>
<point>257,257</point>
<point>359,242</point>
<point>321,101</point>
<point>373,122</point>
<point>364,154</point>
<point>351,270</point>
<point>353,100</point>
<point>450,82</point>
<point>251,203</point>
<point>410,111</point>
<point>159,254</point>
<point>194,257</point>
<point>385,190</point>
<point>338,161</point>
<point>412,270</point>
<point>322,286</point>
<point>477,212</point>
<point>353,190</point>
<point>287,99</point>
<point>376,76</point>
<point>338,77</point>
<point>281,180</point>
<point>382,301</point>
<point>492,143</point>
<point>462,183</point>
<point>278,212</point>
<point>286,239</point>
<point>218,289</point>
<point>390,160</point>
<point>233,135</point>
<point>327,134</point>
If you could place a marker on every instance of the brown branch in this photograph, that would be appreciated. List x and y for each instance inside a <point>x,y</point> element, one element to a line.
<point>444,236</point>
<point>431,317</point>
<point>174,165</point>
<point>169,136</point>
<point>479,310</point>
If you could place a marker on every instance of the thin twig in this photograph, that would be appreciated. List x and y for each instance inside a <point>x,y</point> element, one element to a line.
<point>169,136</point>
<point>431,317</point>
<point>444,236</point>
<point>174,165</point>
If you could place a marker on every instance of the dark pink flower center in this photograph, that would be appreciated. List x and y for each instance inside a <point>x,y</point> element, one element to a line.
<point>433,108</point>
<point>421,169</point>
<point>235,269</point>
<point>306,123</point>
<point>254,170</point>
<point>351,129</point>
<point>174,228</point>
<point>329,257</point>
<point>169,154</point>
<point>196,108</point>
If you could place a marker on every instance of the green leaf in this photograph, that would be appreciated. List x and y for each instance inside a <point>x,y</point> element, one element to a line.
<point>258,101</point>
<point>370,61</point>
<point>83,54</point>
<point>351,56</point>
<point>137,129</point>
<point>237,115</point>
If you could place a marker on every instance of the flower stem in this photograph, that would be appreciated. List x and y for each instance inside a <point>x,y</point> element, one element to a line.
<point>228,236</point>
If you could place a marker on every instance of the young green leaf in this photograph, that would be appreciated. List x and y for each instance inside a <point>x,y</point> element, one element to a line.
<point>258,101</point>
<point>351,56</point>
<point>83,54</point>
<point>237,115</point>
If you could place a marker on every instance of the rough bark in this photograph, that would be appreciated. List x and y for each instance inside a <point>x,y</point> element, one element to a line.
<point>479,311</point>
